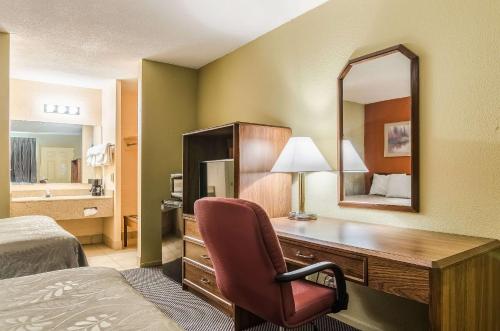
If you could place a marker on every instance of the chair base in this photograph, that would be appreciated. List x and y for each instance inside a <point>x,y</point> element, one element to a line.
<point>243,319</point>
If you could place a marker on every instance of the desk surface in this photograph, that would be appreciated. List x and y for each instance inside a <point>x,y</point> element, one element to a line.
<point>417,247</point>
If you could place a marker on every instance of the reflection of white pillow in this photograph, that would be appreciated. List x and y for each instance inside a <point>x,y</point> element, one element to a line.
<point>399,186</point>
<point>379,184</point>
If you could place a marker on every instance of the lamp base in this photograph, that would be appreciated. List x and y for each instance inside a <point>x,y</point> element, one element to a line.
<point>301,216</point>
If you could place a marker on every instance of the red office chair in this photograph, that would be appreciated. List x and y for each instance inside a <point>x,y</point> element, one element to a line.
<point>251,271</point>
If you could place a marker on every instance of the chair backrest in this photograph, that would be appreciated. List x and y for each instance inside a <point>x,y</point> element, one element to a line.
<point>246,255</point>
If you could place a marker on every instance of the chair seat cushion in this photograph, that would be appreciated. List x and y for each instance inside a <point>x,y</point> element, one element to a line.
<point>311,301</point>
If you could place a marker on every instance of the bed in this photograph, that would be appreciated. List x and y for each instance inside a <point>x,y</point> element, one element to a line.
<point>34,244</point>
<point>378,200</point>
<point>80,299</point>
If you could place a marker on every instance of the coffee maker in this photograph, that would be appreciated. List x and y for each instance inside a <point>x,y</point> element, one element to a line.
<point>97,189</point>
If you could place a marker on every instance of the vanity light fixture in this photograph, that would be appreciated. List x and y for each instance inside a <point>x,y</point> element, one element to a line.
<point>49,108</point>
<point>59,109</point>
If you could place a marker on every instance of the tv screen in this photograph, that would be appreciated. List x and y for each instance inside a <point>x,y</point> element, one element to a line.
<point>217,178</point>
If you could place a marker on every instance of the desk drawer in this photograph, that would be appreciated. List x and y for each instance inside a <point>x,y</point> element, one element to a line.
<point>191,228</point>
<point>197,253</point>
<point>353,266</point>
<point>399,279</point>
<point>201,278</point>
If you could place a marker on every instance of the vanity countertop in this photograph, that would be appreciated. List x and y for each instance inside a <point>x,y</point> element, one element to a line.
<point>63,207</point>
<point>61,197</point>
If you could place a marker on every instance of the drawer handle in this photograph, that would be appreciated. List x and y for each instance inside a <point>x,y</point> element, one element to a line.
<point>299,254</point>
<point>205,281</point>
<point>205,257</point>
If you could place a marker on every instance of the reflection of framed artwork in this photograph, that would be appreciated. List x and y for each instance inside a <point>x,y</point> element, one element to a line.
<point>397,139</point>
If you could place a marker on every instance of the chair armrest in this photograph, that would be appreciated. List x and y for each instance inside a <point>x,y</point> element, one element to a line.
<point>342,298</point>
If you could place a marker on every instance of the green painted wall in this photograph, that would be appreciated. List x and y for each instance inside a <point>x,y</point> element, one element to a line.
<point>168,102</point>
<point>289,77</point>
<point>4,126</point>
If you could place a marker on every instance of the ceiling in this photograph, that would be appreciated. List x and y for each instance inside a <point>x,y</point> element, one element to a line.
<point>384,78</point>
<point>83,42</point>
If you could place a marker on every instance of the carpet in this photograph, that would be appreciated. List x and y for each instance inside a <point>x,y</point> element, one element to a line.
<point>194,314</point>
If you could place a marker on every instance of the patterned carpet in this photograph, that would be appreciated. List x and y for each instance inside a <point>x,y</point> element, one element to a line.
<point>194,314</point>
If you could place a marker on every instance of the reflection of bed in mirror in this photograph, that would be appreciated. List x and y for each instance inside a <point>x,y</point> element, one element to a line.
<point>384,189</point>
<point>378,200</point>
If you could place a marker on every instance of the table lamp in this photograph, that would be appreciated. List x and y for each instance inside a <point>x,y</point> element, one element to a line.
<point>301,155</point>
<point>351,161</point>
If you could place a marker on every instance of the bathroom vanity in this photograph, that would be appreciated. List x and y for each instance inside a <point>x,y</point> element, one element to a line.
<point>71,205</point>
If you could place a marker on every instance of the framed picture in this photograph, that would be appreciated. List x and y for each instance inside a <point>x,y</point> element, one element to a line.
<point>397,139</point>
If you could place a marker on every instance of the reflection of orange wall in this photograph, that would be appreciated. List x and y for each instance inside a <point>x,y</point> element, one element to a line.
<point>376,115</point>
<point>129,153</point>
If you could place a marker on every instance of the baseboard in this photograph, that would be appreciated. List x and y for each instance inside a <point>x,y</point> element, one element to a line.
<point>131,242</point>
<point>110,243</point>
<point>150,264</point>
<point>354,322</point>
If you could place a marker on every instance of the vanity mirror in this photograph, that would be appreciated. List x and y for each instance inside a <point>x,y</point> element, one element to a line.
<point>378,131</point>
<point>43,152</point>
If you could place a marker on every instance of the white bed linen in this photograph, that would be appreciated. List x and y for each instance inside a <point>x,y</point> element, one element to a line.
<point>378,200</point>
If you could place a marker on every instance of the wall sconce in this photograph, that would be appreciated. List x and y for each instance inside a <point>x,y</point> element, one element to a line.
<point>58,109</point>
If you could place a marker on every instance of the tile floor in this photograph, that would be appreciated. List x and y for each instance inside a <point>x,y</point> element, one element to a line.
<point>100,255</point>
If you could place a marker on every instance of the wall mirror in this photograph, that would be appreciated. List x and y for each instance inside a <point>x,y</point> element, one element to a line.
<point>378,131</point>
<point>43,152</point>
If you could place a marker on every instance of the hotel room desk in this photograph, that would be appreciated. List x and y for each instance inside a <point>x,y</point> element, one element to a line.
<point>457,276</point>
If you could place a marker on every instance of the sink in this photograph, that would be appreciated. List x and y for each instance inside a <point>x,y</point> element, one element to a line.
<point>60,197</point>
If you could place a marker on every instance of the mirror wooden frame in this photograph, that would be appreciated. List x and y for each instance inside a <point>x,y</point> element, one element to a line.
<point>415,159</point>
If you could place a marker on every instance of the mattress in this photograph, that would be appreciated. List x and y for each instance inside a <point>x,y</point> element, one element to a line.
<point>378,199</point>
<point>34,244</point>
<point>87,298</point>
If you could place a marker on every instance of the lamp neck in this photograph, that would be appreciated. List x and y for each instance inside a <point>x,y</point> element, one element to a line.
<point>302,191</point>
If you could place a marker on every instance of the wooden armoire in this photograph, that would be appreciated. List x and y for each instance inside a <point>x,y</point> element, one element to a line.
<point>253,148</point>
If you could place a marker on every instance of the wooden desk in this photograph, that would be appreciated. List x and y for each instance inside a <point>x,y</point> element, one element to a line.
<point>457,276</point>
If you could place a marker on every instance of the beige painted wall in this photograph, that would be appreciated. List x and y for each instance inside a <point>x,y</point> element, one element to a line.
<point>289,77</point>
<point>127,170</point>
<point>28,97</point>
<point>110,173</point>
<point>167,108</point>
<point>108,105</point>
<point>129,156</point>
<point>354,130</point>
<point>4,125</point>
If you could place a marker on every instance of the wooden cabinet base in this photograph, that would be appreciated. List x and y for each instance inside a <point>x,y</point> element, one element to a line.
<point>466,295</point>
<point>200,280</point>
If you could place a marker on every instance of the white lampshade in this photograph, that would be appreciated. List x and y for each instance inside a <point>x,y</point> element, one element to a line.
<point>300,155</point>
<point>351,161</point>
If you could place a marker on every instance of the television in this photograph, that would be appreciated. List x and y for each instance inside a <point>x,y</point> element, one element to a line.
<point>217,178</point>
<point>176,186</point>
